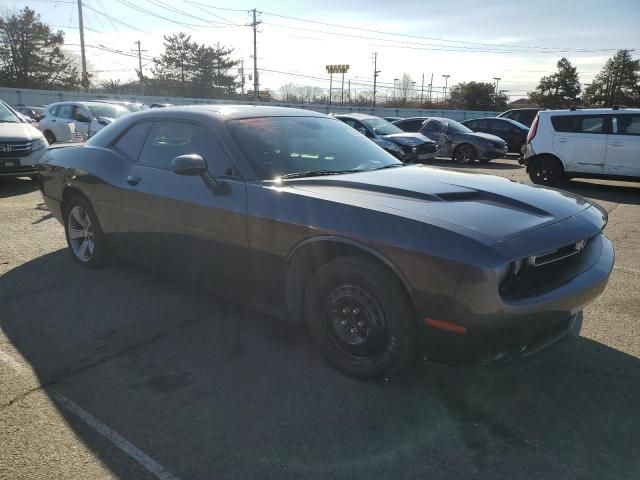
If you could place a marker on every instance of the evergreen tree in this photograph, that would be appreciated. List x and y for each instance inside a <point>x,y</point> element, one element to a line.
<point>31,55</point>
<point>558,90</point>
<point>618,83</point>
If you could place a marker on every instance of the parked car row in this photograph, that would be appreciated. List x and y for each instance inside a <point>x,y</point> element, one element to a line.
<point>21,144</point>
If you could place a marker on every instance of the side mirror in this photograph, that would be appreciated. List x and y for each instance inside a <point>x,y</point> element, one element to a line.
<point>103,121</point>
<point>82,118</point>
<point>192,165</point>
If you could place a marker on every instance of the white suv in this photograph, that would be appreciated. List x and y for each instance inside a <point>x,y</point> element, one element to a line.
<point>86,117</point>
<point>590,143</point>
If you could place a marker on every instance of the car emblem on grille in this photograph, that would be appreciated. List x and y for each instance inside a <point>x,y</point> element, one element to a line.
<point>4,148</point>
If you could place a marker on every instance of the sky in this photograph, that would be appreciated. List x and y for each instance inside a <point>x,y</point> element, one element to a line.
<point>517,41</point>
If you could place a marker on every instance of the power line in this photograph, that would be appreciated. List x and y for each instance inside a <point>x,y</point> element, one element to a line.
<point>161,4</point>
<point>99,12</point>
<point>379,32</point>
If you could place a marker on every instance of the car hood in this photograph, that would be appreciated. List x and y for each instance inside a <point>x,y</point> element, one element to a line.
<point>15,132</point>
<point>407,139</point>
<point>485,136</point>
<point>488,208</point>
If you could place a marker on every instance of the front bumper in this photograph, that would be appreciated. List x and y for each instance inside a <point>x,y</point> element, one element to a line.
<point>490,152</point>
<point>21,166</point>
<point>498,329</point>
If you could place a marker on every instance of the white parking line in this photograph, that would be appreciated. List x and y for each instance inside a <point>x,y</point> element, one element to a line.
<point>118,440</point>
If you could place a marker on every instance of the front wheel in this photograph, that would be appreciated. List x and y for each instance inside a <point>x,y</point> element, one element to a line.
<point>360,317</point>
<point>84,235</point>
<point>546,171</point>
<point>465,153</point>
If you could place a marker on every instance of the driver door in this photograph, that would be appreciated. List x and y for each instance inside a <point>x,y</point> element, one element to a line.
<point>435,130</point>
<point>191,227</point>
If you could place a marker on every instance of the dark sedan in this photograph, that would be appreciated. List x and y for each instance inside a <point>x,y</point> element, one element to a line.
<point>296,213</point>
<point>512,132</point>
<point>408,147</point>
<point>460,143</point>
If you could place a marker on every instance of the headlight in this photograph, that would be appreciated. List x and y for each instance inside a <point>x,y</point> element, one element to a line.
<point>39,143</point>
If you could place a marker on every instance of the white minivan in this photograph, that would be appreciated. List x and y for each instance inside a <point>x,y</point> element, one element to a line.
<point>87,118</point>
<point>589,143</point>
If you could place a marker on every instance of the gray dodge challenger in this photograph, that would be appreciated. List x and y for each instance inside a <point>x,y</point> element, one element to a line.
<point>298,214</point>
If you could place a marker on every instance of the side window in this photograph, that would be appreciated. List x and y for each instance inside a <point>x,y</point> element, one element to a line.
<point>513,116</point>
<point>432,126</point>
<point>65,111</point>
<point>167,140</point>
<point>132,141</point>
<point>473,124</point>
<point>411,125</point>
<point>578,124</point>
<point>628,125</point>
<point>526,118</point>
<point>482,124</point>
<point>499,126</point>
<point>360,127</point>
<point>52,110</point>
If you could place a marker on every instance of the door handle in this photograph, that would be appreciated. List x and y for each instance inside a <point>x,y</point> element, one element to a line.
<point>563,140</point>
<point>616,144</point>
<point>131,180</point>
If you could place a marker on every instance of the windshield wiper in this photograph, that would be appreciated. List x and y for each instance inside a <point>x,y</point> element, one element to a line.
<point>391,165</point>
<point>8,121</point>
<point>316,173</point>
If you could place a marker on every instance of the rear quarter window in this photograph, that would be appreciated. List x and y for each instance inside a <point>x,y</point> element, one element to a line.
<point>578,123</point>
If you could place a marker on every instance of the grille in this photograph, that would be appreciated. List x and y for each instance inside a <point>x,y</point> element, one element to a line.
<point>15,149</point>
<point>426,148</point>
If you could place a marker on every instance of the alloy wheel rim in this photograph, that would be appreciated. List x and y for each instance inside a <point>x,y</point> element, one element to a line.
<point>81,234</point>
<point>355,322</point>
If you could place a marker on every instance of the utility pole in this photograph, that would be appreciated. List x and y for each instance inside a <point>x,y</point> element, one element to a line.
<point>422,91</point>
<point>85,77</point>
<point>375,79</point>
<point>242,77</point>
<point>330,86</point>
<point>430,87</point>
<point>256,85</point>
<point>349,95</point>
<point>446,81</point>
<point>140,69</point>
<point>342,90</point>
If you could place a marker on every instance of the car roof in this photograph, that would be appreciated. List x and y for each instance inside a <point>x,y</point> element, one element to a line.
<point>357,116</point>
<point>589,111</point>
<point>229,112</point>
<point>97,103</point>
<point>500,119</point>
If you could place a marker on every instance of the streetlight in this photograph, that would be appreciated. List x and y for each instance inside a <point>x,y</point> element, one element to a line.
<point>395,80</point>
<point>497,79</point>
<point>446,81</point>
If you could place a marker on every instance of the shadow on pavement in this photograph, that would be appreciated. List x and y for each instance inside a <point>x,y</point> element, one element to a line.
<point>10,187</point>
<point>212,390</point>
<point>625,193</point>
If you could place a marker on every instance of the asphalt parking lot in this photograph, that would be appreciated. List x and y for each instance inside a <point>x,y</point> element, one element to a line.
<point>119,373</point>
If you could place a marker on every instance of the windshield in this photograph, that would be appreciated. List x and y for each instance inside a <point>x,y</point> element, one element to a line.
<point>7,116</point>
<point>456,127</point>
<point>381,127</point>
<point>108,111</point>
<point>278,146</point>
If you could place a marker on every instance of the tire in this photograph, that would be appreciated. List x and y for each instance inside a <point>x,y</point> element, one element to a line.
<point>86,241</point>
<point>51,138</point>
<point>546,170</point>
<point>361,318</point>
<point>465,153</point>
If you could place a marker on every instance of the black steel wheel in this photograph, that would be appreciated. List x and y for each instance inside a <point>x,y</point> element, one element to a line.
<point>546,170</point>
<point>360,317</point>
<point>465,153</point>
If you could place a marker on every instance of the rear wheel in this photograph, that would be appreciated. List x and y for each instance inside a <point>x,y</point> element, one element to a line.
<point>465,153</point>
<point>85,238</point>
<point>546,170</point>
<point>360,317</point>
